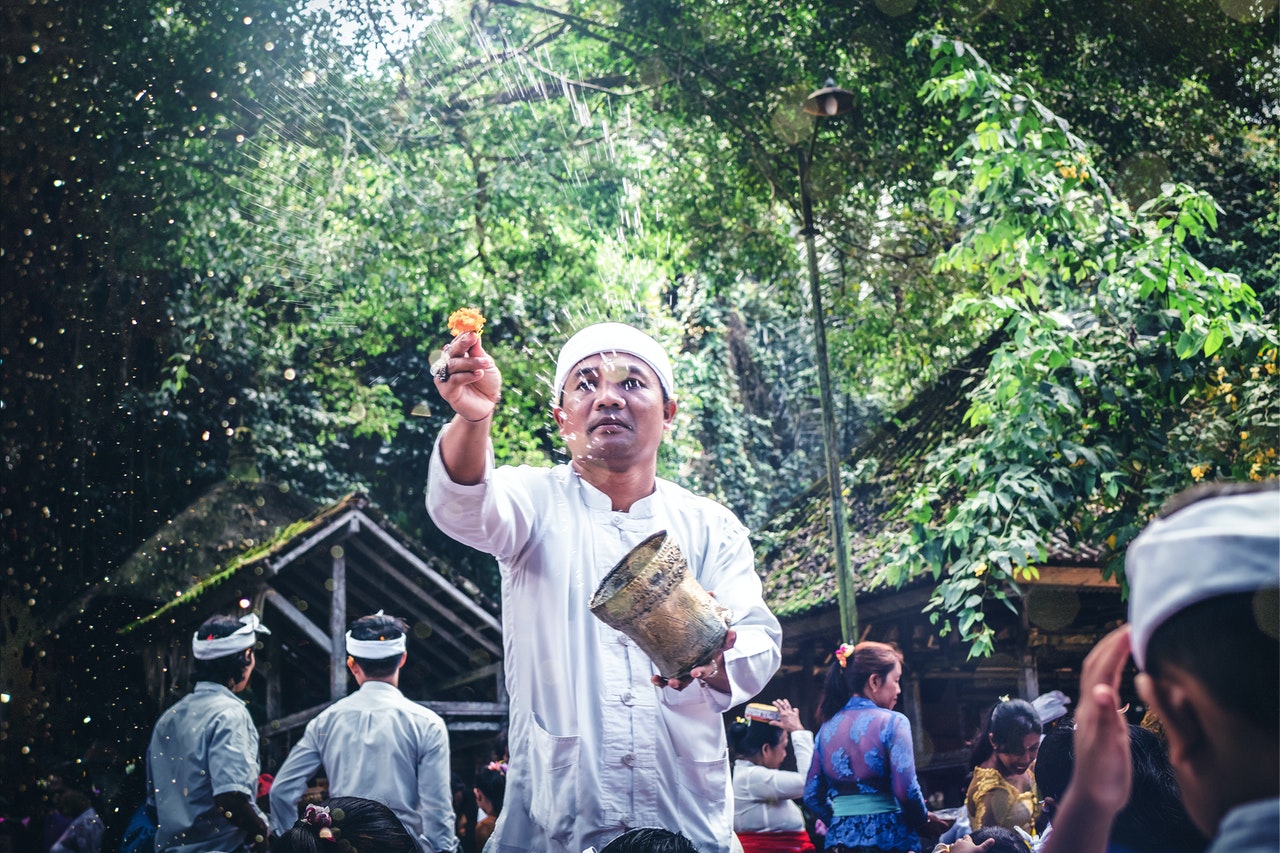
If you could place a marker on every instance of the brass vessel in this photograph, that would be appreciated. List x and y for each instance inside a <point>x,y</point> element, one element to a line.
<point>652,598</point>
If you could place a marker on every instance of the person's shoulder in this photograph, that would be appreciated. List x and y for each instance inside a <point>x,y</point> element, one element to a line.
<point>696,503</point>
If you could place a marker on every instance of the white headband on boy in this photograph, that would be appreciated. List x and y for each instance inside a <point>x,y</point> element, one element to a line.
<point>244,637</point>
<point>375,649</point>
<point>1214,547</point>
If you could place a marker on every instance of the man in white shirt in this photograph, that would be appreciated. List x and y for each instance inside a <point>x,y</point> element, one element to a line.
<point>202,763</point>
<point>599,742</point>
<point>376,744</point>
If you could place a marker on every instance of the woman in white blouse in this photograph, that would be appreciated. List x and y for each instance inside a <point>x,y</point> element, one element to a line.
<point>764,816</point>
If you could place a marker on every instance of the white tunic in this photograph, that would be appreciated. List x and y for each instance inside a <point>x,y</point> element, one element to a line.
<point>378,745</point>
<point>762,798</point>
<point>203,746</point>
<point>595,747</point>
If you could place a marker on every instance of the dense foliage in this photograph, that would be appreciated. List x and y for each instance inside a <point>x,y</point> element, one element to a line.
<point>260,213</point>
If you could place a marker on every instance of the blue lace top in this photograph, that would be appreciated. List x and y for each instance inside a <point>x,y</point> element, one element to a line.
<point>866,749</point>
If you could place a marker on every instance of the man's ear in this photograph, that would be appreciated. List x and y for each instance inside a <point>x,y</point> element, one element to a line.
<point>669,411</point>
<point>353,666</point>
<point>1183,723</point>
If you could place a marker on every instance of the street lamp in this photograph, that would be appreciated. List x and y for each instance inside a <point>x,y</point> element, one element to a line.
<point>828,101</point>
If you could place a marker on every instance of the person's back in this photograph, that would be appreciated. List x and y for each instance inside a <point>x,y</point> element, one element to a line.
<point>376,743</point>
<point>202,762</point>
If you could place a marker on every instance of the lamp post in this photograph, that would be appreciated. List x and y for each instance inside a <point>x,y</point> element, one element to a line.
<point>828,101</point>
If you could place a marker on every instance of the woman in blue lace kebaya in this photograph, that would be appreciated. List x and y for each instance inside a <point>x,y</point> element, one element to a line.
<point>862,780</point>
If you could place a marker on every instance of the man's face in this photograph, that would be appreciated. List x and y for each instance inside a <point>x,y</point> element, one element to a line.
<point>611,414</point>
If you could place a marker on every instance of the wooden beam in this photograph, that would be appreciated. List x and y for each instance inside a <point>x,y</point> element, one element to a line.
<point>303,547</point>
<point>489,645</point>
<point>1074,577</point>
<point>468,677</point>
<point>467,709</point>
<point>296,618</point>
<point>437,578</point>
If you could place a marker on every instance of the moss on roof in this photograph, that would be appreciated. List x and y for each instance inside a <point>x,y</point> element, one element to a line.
<point>794,549</point>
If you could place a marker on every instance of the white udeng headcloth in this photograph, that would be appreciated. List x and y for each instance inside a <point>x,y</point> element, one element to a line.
<point>1214,547</point>
<point>612,337</point>
<point>243,638</point>
<point>375,649</point>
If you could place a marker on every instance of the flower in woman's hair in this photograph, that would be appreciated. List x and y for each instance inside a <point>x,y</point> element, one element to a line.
<point>500,766</point>
<point>318,816</point>
<point>1004,698</point>
<point>466,320</point>
<point>842,654</point>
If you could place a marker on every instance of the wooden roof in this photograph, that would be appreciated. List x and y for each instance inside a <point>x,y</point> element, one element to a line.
<point>794,549</point>
<point>309,579</point>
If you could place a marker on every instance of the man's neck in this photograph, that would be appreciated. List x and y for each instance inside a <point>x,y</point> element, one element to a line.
<point>624,488</point>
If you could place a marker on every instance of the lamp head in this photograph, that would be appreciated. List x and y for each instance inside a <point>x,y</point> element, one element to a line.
<point>830,100</point>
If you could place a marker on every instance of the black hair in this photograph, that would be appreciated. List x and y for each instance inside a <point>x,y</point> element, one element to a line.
<point>1216,489</point>
<point>1007,841</point>
<point>847,680</point>
<point>1154,820</point>
<point>228,669</point>
<point>358,826</point>
<point>749,737</point>
<point>378,627</point>
<point>1056,760</point>
<point>650,840</point>
<point>1229,644</point>
<point>493,784</point>
<point>1008,724</point>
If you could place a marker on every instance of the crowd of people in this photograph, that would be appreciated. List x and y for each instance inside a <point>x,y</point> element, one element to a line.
<point>603,754</point>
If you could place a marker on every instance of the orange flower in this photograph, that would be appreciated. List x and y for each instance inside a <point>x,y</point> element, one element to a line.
<point>466,320</point>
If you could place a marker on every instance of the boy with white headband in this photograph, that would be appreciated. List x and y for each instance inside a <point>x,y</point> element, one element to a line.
<point>202,764</point>
<point>599,743</point>
<point>375,744</point>
<point>1204,599</point>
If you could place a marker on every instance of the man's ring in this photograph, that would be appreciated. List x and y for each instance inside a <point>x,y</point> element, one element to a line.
<point>441,368</point>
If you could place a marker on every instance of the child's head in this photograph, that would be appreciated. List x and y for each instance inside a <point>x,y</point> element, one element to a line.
<point>1007,841</point>
<point>1154,820</point>
<point>1012,733</point>
<point>1204,607</point>
<point>650,840</point>
<point>346,825</point>
<point>748,737</point>
<point>491,784</point>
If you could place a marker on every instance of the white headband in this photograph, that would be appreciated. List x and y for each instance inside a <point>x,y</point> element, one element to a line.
<point>1216,546</point>
<point>244,637</point>
<point>612,337</point>
<point>375,649</point>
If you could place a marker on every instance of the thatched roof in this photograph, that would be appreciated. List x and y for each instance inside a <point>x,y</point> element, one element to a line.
<point>232,518</point>
<point>794,550</point>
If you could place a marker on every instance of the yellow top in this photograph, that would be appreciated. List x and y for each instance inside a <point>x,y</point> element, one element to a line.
<point>994,802</point>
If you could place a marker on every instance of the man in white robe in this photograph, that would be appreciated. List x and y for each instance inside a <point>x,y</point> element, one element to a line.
<point>599,742</point>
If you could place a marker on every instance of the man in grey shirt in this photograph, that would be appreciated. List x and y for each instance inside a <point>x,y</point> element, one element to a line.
<point>376,744</point>
<point>202,763</point>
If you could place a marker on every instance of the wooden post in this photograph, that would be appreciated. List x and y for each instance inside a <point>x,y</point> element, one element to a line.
<point>338,627</point>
